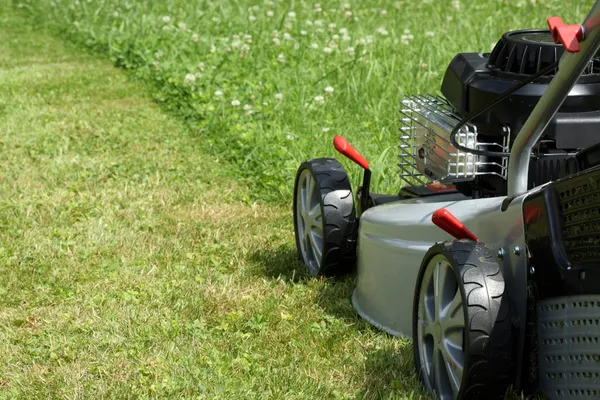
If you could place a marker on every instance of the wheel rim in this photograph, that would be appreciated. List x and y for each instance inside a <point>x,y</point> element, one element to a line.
<point>309,221</point>
<point>441,329</point>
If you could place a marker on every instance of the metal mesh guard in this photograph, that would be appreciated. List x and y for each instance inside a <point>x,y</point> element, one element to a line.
<point>569,347</point>
<point>426,153</point>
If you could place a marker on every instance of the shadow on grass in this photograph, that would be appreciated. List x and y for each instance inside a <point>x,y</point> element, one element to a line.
<point>282,263</point>
<point>389,374</point>
<point>389,371</point>
<point>335,294</point>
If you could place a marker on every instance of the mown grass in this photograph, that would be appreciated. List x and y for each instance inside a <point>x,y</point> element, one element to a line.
<point>277,59</point>
<point>132,265</point>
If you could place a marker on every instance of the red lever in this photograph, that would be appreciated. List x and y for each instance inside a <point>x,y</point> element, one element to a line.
<point>567,35</point>
<point>347,150</point>
<point>449,223</point>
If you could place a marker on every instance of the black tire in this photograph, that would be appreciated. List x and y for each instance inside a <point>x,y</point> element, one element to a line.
<point>488,367</point>
<point>333,194</point>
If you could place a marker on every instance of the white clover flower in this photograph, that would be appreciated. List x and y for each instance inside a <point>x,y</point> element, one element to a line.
<point>270,13</point>
<point>166,19</point>
<point>314,46</point>
<point>189,79</point>
<point>276,41</point>
<point>329,90</point>
<point>319,100</point>
<point>383,11</point>
<point>251,18</point>
<point>318,8</point>
<point>292,14</point>
<point>201,67</point>
<point>235,103</point>
<point>430,34</point>
<point>116,14</point>
<point>325,129</point>
<point>182,26</point>
<point>336,37</point>
<point>287,36</point>
<point>290,137</point>
<point>346,38</point>
<point>247,107</point>
<point>351,52</point>
<point>218,93</point>
<point>309,22</point>
<point>328,50</point>
<point>195,38</point>
<point>369,39</point>
<point>212,48</point>
<point>303,33</point>
<point>331,27</point>
<point>156,65</point>
<point>248,38</point>
<point>281,58</point>
<point>158,54</point>
<point>198,75</point>
<point>265,104</point>
<point>456,4</point>
<point>382,31</point>
<point>318,22</point>
<point>279,96</point>
<point>347,13</point>
<point>236,44</point>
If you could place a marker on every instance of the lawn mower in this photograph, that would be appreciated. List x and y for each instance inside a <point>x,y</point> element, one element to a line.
<point>489,257</point>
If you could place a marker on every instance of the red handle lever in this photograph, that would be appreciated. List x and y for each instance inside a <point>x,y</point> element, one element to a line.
<point>567,35</point>
<point>449,223</point>
<point>347,150</point>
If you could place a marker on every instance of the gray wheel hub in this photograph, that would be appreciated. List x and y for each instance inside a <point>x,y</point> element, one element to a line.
<point>441,329</point>
<point>310,221</point>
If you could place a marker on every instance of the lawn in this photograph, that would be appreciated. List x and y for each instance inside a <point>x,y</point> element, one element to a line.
<point>146,248</point>
<point>133,265</point>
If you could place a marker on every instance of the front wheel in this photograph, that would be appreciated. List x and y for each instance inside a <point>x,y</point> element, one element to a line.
<point>324,217</point>
<point>462,332</point>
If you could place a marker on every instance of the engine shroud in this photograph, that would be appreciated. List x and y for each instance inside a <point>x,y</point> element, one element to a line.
<point>474,80</point>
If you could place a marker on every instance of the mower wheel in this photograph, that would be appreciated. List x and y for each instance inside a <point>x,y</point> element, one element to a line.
<point>324,217</point>
<point>462,330</point>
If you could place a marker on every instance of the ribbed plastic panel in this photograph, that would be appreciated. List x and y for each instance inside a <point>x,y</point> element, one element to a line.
<point>579,200</point>
<point>569,347</point>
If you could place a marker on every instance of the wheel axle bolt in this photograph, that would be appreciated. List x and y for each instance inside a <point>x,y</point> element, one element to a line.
<point>500,253</point>
<point>517,250</point>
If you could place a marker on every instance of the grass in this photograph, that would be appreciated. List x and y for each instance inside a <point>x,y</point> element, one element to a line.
<point>133,265</point>
<point>147,251</point>
<point>277,59</point>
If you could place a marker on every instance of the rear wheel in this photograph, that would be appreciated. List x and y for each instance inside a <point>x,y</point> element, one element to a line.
<point>324,217</point>
<point>462,333</point>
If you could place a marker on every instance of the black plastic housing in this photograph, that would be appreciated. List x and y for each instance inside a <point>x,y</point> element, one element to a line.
<point>474,80</point>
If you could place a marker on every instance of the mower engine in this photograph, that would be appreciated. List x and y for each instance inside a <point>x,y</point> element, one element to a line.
<point>474,80</point>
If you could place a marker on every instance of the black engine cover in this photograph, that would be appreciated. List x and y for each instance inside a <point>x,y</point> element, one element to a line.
<point>474,80</point>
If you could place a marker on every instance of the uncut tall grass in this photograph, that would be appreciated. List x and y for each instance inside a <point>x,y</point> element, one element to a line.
<point>267,84</point>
